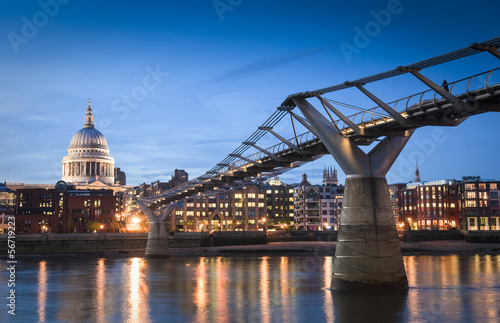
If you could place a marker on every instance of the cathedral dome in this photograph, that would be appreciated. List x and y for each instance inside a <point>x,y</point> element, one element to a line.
<point>88,157</point>
<point>88,138</point>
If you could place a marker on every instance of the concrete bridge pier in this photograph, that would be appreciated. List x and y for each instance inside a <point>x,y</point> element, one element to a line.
<point>368,254</point>
<point>157,245</point>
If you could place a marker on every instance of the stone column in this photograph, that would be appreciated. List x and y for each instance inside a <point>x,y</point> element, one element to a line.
<point>157,244</point>
<point>368,254</point>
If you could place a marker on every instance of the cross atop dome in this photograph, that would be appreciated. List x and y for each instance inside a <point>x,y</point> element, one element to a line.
<point>89,118</point>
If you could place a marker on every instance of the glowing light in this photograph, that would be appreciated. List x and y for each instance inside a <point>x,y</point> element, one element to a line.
<point>136,220</point>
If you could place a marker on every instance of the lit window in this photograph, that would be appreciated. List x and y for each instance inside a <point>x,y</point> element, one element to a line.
<point>471,195</point>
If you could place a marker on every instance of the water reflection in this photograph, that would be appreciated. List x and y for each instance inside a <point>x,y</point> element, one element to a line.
<point>42,290</point>
<point>101,286</point>
<point>139,292</point>
<point>265,289</point>
<point>200,292</point>
<point>454,287</point>
<point>328,307</point>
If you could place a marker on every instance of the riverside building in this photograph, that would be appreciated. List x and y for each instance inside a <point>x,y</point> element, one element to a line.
<point>318,207</point>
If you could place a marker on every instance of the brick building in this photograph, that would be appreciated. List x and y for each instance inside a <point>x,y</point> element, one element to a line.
<point>479,201</point>
<point>64,209</point>
<point>429,205</point>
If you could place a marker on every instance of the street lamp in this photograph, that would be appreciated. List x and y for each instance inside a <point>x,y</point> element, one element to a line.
<point>409,223</point>
<point>264,224</point>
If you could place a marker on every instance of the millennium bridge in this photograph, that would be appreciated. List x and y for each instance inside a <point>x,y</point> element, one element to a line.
<point>368,254</point>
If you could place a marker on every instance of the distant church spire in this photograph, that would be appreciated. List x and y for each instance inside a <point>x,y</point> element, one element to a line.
<point>89,118</point>
<point>330,176</point>
<point>417,175</point>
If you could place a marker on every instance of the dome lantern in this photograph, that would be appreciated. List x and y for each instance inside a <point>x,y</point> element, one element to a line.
<point>89,118</point>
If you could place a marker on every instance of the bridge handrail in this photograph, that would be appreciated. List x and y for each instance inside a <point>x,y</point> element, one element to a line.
<point>373,111</point>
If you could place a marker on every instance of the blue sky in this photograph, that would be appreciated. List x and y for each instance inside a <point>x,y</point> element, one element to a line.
<point>219,71</point>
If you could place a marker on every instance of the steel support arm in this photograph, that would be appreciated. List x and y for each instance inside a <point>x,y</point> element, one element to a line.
<point>268,153</point>
<point>351,124</point>
<point>248,160</point>
<point>393,113</point>
<point>438,89</point>
<point>152,217</point>
<point>349,156</point>
<point>288,143</point>
<point>384,154</point>
<point>491,49</point>
<point>302,121</point>
<point>166,212</point>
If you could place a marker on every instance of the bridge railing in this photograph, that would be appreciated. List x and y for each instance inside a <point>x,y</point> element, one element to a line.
<point>275,149</point>
<point>466,85</point>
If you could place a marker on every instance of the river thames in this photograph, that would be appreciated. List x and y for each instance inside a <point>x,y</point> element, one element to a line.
<point>448,288</point>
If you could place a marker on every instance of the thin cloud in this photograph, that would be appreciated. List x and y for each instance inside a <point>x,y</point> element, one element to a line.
<point>268,64</point>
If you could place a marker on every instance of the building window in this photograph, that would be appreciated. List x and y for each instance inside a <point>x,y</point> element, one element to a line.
<point>470,203</point>
<point>494,195</point>
<point>470,186</point>
<point>238,196</point>
<point>493,186</point>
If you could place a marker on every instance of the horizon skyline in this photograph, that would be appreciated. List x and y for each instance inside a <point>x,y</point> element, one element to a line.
<point>180,86</point>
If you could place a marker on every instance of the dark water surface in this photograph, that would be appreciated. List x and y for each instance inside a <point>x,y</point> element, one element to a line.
<point>251,289</point>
